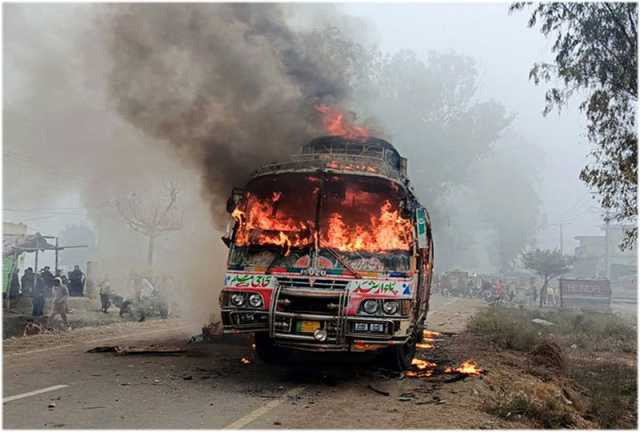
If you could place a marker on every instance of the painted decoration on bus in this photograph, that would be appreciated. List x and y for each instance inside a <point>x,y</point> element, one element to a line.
<point>240,280</point>
<point>380,287</point>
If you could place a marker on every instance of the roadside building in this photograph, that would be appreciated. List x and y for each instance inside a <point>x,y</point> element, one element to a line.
<point>600,257</point>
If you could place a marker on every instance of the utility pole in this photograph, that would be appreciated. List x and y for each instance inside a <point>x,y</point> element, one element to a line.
<point>561,241</point>
<point>606,245</point>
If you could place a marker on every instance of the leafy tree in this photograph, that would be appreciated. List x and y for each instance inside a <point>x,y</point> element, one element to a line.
<point>547,264</point>
<point>596,54</point>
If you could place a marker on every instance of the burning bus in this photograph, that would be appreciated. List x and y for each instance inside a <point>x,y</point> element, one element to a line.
<point>329,251</point>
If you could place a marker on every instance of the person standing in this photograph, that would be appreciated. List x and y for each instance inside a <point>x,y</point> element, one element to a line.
<point>59,304</point>
<point>48,278</point>
<point>76,282</point>
<point>14,287</point>
<point>38,296</point>
<point>105,294</point>
<point>27,281</point>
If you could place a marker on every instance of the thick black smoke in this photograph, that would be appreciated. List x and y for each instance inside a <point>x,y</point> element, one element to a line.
<point>230,86</point>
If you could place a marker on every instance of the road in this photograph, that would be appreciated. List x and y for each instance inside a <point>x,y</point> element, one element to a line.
<point>60,385</point>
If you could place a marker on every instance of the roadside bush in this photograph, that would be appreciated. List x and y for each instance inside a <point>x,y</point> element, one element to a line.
<point>511,328</point>
<point>507,328</point>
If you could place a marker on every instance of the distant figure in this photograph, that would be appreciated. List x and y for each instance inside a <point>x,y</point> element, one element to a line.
<point>59,305</point>
<point>14,287</point>
<point>39,292</point>
<point>27,281</point>
<point>48,279</point>
<point>147,290</point>
<point>76,282</point>
<point>500,291</point>
<point>105,294</point>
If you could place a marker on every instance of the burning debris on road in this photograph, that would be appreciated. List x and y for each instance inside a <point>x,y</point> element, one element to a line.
<point>468,367</point>
<point>421,368</point>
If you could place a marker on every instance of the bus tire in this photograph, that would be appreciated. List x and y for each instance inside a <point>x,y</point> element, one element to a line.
<point>398,357</point>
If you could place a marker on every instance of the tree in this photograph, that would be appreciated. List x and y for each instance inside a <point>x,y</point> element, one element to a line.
<point>151,219</point>
<point>596,54</point>
<point>547,264</point>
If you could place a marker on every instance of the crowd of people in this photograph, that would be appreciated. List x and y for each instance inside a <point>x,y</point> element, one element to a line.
<point>492,288</point>
<point>139,297</point>
<point>46,286</point>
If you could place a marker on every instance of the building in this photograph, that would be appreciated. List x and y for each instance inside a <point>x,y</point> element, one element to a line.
<point>600,257</point>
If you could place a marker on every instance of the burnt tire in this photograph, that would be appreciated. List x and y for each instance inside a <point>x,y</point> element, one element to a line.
<point>266,349</point>
<point>398,358</point>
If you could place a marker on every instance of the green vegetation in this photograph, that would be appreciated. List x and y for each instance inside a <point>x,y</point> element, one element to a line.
<point>510,328</point>
<point>596,58</point>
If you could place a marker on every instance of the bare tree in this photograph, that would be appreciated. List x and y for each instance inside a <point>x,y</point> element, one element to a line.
<point>153,218</point>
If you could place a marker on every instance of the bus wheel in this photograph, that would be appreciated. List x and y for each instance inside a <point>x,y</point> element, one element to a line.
<point>399,357</point>
<point>266,350</point>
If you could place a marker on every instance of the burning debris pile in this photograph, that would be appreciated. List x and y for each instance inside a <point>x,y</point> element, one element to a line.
<point>421,368</point>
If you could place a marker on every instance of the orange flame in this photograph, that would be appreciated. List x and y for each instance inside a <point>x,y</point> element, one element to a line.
<point>468,367</point>
<point>421,369</point>
<point>335,124</point>
<point>261,226</point>
<point>428,334</point>
<point>264,224</point>
<point>424,346</point>
<point>422,364</point>
<point>387,231</point>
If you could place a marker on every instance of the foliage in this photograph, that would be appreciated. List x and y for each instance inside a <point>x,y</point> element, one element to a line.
<point>506,328</point>
<point>595,51</point>
<point>510,328</point>
<point>547,264</point>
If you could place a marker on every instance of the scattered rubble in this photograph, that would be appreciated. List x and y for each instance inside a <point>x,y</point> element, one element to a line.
<point>148,350</point>
<point>542,322</point>
<point>382,392</point>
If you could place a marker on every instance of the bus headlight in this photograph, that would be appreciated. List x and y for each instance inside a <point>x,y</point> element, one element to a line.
<point>237,299</point>
<point>370,306</point>
<point>255,300</point>
<point>390,307</point>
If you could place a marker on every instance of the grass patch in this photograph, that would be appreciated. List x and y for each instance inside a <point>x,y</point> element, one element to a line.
<point>549,414</point>
<point>609,387</point>
<point>612,391</point>
<point>512,328</point>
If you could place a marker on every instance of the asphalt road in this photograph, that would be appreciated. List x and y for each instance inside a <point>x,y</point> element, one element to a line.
<point>63,386</point>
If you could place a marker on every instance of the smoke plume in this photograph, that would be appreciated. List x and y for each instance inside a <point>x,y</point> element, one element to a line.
<point>229,86</point>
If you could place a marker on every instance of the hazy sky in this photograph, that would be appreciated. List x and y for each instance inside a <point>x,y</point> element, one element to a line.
<point>504,49</point>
